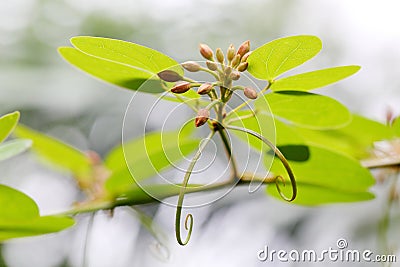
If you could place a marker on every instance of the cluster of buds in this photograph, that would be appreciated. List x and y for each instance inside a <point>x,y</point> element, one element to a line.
<point>226,68</point>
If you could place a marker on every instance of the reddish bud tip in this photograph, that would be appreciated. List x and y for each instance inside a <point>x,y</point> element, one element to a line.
<point>169,76</point>
<point>250,93</point>
<point>206,51</point>
<point>180,87</point>
<point>211,65</point>
<point>242,66</point>
<point>202,117</point>
<point>191,66</point>
<point>205,88</point>
<point>243,48</point>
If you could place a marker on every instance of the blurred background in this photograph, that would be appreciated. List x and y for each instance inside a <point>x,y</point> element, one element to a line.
<point>55,98</point>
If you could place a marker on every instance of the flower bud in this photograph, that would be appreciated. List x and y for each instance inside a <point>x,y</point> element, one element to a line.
<point>205,88</point>
<point>242,66</point>
<point>231,52</point>
<point>243,48</point>
<point>250,93</point>
<point>220,55</point>
<point>228,71</point>
<point>169,76</point>
<point>202,117</point>
<point>206,51</point>
<point>235,61</point>
<point>235,75</point>
<point>191,66</point>
<point>181,87</point>
<point>211,65</point>
<point>245,57</point>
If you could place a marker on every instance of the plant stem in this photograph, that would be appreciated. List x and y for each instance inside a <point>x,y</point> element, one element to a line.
<point>228,149</point>
<point>127,200</point>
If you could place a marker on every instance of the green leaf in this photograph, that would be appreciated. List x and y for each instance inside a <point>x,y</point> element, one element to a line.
<point>355,139</point>
<point>19,216</point>
<point>125,64</point>
<point>275,131</point>
<point>306,109</point>
<point>56,152</point>
<point>112,72</point>
<point>130,54</point>
<point>295,152</point>
<point>315,79</point>
<point>328,171</point>
<point>36,226</point>
<point>7,124</point>
<point>146,156</point>
<point>274,58</point>
<point>14,147</point>
<point>311,195</point>
<point>15,205</point>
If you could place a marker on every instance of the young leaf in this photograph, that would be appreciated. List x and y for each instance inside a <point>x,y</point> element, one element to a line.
<point>311,195</point>
<point>37,226</point>
<point>19,216</point>
<point>14,147</point>
<point>130,54</point>
<point>306,109</point>
<point>119,74</point>
<point>274,58</point>
<point>7,124</point>
<point>315,79</point>
<point>125,64</point>
<point>146,157</point>
<point>56,152</point>
<point>273,130</point>
<point>355,139</point>
<point>329,171</point>
<point>15,205</point>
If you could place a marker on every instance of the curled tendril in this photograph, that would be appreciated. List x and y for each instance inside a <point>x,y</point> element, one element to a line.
<point>281,157</point>
<point>189,217</point>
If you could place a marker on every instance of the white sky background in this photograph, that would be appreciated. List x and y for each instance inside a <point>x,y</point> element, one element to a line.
<point>366,31</point>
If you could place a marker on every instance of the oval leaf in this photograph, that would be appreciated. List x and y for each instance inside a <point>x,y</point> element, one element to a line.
<point>127,53</point>
<point>112,72</point>
<point>274,58</point>
<point>19,216</point>
<point>273,130</point>
<point>14,147</point>
<point>315,79</point>
<point>307,109</point>
<point>355,139</point>
<point>7,124</point>
<point>15,205</point>
<point>311,195</point>
<point>38,226</point>
<point>329,171</point>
